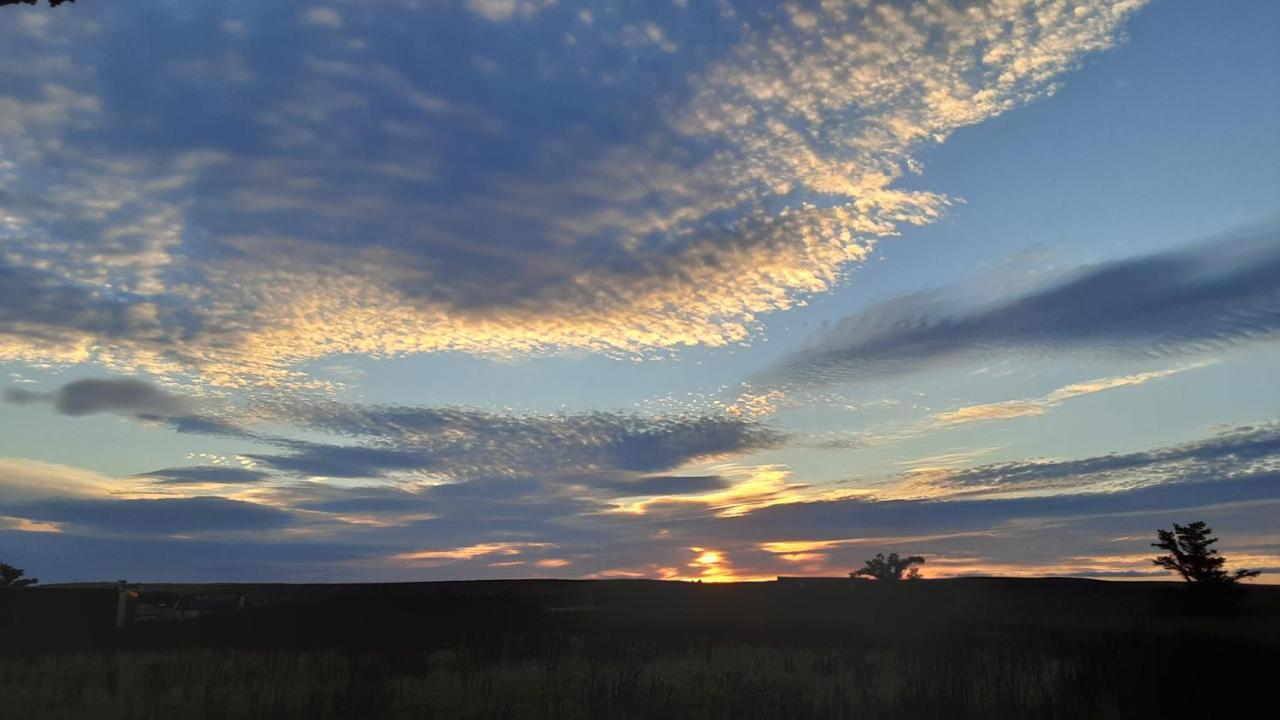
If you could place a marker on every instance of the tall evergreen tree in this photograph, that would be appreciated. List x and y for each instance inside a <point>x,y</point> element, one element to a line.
<point>1190,555</point>
<point>11,576</point>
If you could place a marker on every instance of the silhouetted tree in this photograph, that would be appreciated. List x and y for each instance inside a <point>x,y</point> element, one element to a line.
<point>11,576</point>
<point>891,568</point>
<point>1191,557</point>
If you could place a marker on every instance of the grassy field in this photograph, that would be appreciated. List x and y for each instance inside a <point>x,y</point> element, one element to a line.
<point>981,649</point>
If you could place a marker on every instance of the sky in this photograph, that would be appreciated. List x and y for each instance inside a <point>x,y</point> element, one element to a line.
<point>679,289</point>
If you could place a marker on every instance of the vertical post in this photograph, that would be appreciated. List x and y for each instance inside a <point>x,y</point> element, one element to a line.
<point>122,606</point>
<point>126,604</point>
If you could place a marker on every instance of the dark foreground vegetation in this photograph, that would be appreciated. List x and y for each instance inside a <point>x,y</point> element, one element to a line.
<point>622,649</point>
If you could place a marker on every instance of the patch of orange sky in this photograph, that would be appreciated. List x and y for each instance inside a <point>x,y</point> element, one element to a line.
<point>707,565</point>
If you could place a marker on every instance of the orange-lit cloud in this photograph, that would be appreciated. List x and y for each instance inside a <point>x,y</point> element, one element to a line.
<point>701,564</point>
<point>24,525</point>
<point>752,488</point>
<point>23,480</point>
<point>470,552</point>
<point>710,566</point>
<point>801,547</point>
<point>1039,406</point>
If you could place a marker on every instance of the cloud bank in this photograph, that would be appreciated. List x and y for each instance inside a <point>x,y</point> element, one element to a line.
<point>1090,516</point>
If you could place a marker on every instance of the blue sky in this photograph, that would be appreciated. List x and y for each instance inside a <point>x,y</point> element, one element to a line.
<point>717,290</point>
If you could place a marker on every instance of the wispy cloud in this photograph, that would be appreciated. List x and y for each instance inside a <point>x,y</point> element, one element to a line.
<point>902,431</point>
<point>1240,451</point>
<point>1181,302</point>
<point>22,480</point>
<point>469,552</point>
<point>1009,409</point>
<point>204,475</point>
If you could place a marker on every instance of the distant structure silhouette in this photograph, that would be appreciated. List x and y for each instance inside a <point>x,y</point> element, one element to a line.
<point>1190,555</point>
<point>12,577</point>
<point>52,3</point>
<point>891,568</point>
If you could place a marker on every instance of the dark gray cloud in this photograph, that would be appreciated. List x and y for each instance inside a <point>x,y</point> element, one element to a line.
<point>137,398</point>
<point>667,485</point>
<point>343,461</point>
<point>498,501</point>
<point>86,397</point>
<point>67,556</point>
<point>155,516</point>
<point>204,474</point>
<point>1219,293</point>
<point>457,514</point>
<point>204,425</point>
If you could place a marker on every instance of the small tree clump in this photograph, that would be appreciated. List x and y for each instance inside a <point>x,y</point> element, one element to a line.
<point>891,568</point>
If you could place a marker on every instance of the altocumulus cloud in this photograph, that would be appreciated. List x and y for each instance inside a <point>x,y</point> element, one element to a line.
<point>291,205</point>
<point>461,443</point>
<point>1213,295</point>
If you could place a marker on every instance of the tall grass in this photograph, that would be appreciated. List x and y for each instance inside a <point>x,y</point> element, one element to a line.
<point>733,681</point>
<point>669,652</point>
